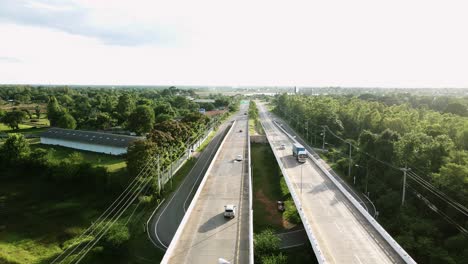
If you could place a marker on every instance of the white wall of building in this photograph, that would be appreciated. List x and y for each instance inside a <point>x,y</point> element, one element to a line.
<point>84,146</point>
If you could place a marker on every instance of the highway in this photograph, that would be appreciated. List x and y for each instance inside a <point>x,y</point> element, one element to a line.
<point>207,235</point>
<point>163,225</point>
<point>342,232</point>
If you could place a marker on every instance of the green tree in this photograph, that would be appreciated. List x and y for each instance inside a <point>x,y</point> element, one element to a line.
<point>457,109</point>
<point>37,110</point>
<point>117,236</point>
<point>453,178</point>
<point>66,121</point>
<point>164,108</point>
<point>124,107</point>
<point>15,149</point>
<point>14,118</point>
<point>141,120</point>
<point>54,111</point>
<point>140,153</point>
<point>104,121</point>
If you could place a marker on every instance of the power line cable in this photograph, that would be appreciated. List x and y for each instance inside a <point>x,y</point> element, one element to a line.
<point>114,220</point>
<point>106,212</point>
<point>435,209</point>
<point>441,195</point>
<point>98,226</point>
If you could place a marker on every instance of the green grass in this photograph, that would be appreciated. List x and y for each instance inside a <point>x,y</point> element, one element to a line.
<point>251,127</point>
<point>58,153</point>
<point>5,128</point>
<point>39,216</point>
<point>207,141</point>
<point>266,189</point>
<point>255,128</point>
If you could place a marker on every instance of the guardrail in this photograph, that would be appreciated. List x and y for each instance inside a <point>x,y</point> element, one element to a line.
<point>179,231</point>
<point>398,249</point>
<point>315,246</point>
<point>251,247</point>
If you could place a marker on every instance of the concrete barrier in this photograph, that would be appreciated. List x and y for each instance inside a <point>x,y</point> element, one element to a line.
<point>258,139</point>
<point>251,247</point>
<point>175,239</point>
<point>398,249</point>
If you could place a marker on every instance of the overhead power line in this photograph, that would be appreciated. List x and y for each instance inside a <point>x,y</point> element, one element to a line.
<point>460,208</point>
<point>115,204</point>
<point>435,209</point>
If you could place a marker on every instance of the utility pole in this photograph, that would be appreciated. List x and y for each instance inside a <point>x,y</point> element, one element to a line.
<point>405,170</point>
<point>323,139</point>
<point>315,136</point>
<point>367,178</point>
<point>349,165</point>
<point>172,153</point>
<point>159,177</point>
<point>301,185</point>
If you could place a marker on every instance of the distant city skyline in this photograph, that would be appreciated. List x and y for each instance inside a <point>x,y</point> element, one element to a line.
<point>362,43</point>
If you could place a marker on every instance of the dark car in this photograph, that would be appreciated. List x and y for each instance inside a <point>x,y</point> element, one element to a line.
<point>280,206</point>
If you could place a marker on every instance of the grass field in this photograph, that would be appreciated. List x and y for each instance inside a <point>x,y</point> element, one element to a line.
<point>5,128</point>
<point>40,215</point>
<point>57,153</point>
<point>267,188</point>
<point>36,215</point>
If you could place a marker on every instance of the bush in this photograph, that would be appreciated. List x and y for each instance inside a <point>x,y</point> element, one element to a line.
<point>117,236</point>
<point>284,187</point>
<point>291,214</point>
<point>275,259</point>
<point>265,243</point>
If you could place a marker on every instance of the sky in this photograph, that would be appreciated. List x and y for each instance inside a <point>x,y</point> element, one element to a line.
<point>358,43</point>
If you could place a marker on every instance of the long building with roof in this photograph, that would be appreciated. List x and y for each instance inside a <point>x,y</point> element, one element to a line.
<point>88,140</point>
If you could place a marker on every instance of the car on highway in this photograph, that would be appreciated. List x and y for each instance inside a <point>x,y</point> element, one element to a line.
<point>229,211</point>
<point>283,146</point>
<point>239,157</point>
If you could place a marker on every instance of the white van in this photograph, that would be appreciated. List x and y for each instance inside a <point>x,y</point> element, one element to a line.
<point>229,211</point>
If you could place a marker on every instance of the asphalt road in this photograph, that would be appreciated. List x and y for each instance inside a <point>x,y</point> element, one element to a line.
<point>163,225</point>
<point>208,236</point>
<point>343,234</point>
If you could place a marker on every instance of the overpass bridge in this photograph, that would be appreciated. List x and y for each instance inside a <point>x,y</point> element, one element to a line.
<point>338,227</point>
<point>204,235</point>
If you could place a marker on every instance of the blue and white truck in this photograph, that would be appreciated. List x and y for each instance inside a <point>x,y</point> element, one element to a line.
<point>299,152</point>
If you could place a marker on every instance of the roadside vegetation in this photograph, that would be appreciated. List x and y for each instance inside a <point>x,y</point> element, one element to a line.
<point>255,127</point>
<point>385,137</point>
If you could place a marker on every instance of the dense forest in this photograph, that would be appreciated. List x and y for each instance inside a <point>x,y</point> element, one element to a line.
<point>370,142</point>
<point>442,103</point>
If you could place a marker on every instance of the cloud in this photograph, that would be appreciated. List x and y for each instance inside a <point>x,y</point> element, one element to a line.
<point>10,59</point>
<point>75,18</point>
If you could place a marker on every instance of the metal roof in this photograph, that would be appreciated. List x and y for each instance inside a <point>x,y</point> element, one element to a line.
<point>90,137</point>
